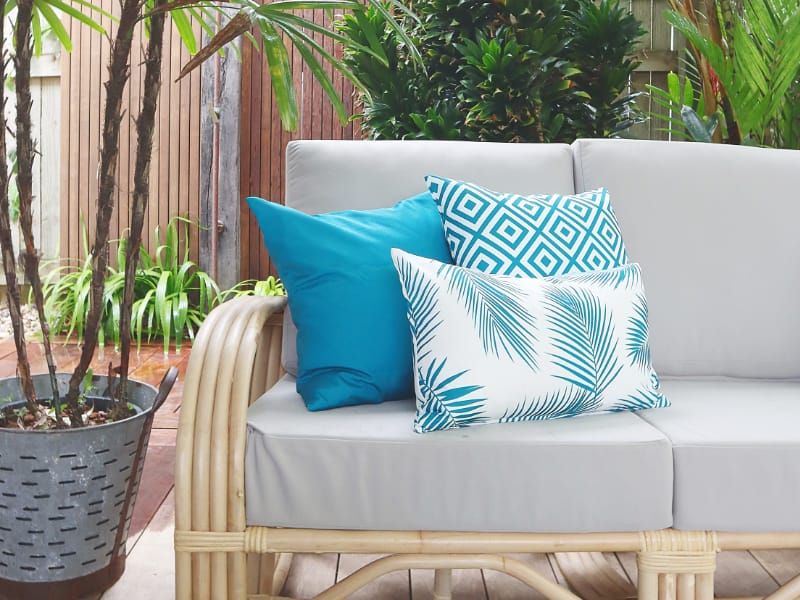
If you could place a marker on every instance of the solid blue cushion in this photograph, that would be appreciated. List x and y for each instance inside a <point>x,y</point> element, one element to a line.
<point>353,339</point>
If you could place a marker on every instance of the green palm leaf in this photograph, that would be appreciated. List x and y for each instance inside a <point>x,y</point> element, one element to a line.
<point>445,404</point>
<point>502,322</point>
<point>638,343</point>
<point>565,403</point>
<point>583,334</point>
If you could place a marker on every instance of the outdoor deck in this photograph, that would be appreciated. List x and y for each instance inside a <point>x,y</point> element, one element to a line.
<point>150,566</point>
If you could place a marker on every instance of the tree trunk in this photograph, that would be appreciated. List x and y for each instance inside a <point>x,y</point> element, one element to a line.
<point>118,72</point>
<point>9,256</point>
<point>25,151</point>
<point>144,150</point>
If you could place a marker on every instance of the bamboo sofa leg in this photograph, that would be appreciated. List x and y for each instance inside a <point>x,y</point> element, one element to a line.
<point>234,359</point>
<point>442,584</point>
<point>677,565</point>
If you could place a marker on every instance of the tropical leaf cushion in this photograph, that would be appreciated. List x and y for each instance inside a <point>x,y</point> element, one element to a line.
<point>532,236</point>
<point>494,349</point>
<point>353,342</point>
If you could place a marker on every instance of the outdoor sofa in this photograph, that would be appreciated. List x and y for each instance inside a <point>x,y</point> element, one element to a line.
<point>715,230</point>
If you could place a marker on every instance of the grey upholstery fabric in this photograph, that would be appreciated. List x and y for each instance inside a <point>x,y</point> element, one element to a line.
<point>736,446</point>
<point>715,230</point>
<point>324,176</point>
<point>363,467</point>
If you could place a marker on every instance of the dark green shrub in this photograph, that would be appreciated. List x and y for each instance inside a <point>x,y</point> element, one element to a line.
<point>519,70</point>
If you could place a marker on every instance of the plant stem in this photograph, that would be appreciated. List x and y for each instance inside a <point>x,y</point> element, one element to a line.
<point>7,243</point>
<point>141,191</point>
<point>22,63</point>
<point>118,72</point>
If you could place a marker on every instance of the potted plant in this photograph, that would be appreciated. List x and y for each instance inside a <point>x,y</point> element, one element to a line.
<point>72,445</point>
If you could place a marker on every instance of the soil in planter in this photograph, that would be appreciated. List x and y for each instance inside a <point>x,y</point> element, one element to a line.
<point>96,411</point>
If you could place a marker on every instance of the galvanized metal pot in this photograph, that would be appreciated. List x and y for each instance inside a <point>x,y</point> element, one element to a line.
<point>66,498</point>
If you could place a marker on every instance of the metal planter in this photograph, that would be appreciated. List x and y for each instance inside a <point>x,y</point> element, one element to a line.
<point>67,497</point>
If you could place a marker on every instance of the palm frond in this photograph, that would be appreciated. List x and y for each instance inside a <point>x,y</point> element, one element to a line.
<point>444,404</point>
<point>564,403</point>
<point>638,343</point>
<point>640,400</point>
<point>502,322</point>
<point>627,277</point>
<point>423,314</point>
<point>583,334</point>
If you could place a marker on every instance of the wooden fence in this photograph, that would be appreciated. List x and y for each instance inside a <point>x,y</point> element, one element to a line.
<point>175,171</point>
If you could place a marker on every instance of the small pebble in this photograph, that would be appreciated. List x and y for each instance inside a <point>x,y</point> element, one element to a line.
<point>29,319</point>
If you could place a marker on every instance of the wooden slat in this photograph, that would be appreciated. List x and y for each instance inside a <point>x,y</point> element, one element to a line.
<point>394,586</point>
<point>175,169</point>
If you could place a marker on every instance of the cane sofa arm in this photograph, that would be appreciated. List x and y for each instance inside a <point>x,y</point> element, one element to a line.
<point>235,358</point>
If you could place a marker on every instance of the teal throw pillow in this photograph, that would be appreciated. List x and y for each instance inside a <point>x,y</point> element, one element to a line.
<point>353,341</point>
<point>529,236</point>
<point>498,349</point>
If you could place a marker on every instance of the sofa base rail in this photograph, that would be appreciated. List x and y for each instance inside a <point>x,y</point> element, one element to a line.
<point>673,565</point>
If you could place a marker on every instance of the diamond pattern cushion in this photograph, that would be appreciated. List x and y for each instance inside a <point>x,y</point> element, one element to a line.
<point>496,349</point>
<point>533,236</point>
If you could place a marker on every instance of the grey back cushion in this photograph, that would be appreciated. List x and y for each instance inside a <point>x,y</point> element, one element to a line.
<point>715,229</point>
<point>325,176</point>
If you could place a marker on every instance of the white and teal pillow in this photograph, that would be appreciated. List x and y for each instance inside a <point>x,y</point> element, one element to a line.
<point>494,349</point>
<point>532,236</point>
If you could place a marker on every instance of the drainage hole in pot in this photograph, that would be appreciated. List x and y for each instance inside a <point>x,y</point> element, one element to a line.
<point>2,564</point>
<point>68,529</point>
<point>109,462</point>
<point>38,556</point>
<point>30,509</point>
<point>80,468</point>
<point>4,528</point>
<point>93,512</point>
<point>129,443</point>
<point>35,531</point>
<point>106,487</point>
<point>40,496</point>
<point>103,545</point>
<point>24,519</point>
<point>120,493</point>
<point>40,470</point>
<point>98,477</point>
<point>56,518</point>
<point>9,469</point>
<point>28,568</point>
<point>118,502</point>
<point>29,483</point>
<point>94,503</point>
<point>27,458</point>
<point>25,544</point>
<point>9,495</point>
<point>8,553</point>
<point>66,482</point>
<point>91,537</point>
<point>61,543</point>
<point>66,507</point>
<point>3,505</point>
<point>103,451</point>
<point>58,568</point>
<point>78,493</point>
<point>71,455</point>
<point>125,468</point>
<point>88,562</point>
<point>65,554</point>
<point>103,522</point>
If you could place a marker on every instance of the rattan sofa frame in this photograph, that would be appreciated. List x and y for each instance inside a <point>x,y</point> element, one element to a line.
<point>235,358</point>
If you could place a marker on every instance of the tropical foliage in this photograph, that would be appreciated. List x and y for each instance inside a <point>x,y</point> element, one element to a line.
<point>520,70</point>
<point>172,295</point>
<point>743,82</point>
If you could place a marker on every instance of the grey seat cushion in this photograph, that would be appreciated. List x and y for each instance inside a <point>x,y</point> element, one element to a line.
<point>736,447</point>
<point>363,467</point>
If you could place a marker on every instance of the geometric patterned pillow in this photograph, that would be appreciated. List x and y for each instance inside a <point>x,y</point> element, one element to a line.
<point>533,236</point>
<point>496,349</point>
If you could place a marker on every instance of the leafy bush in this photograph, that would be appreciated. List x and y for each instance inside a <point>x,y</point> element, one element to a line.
<point>519,70</point>
<point>172,296</point>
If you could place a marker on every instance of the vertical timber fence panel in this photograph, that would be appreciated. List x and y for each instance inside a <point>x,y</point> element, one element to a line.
<point>174,173</point>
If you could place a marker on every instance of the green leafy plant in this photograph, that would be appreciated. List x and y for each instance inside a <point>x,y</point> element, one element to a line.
<point>519,70</point>
<point>746,54</point>
<point>172,295</point>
